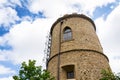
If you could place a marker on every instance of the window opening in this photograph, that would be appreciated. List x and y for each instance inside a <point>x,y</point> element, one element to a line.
<point>69,70</point>
<point>70,75</point>
<point>67,34</point>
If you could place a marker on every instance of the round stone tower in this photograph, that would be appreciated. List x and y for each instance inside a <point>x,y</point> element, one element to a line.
<point>76,53</point>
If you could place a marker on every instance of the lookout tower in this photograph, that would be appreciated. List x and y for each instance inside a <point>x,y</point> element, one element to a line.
<point>76,53</point>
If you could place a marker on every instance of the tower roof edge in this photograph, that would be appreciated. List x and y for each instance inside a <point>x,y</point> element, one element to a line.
<point>70,16</point>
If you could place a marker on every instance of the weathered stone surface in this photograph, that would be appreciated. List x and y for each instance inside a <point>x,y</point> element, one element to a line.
<point>84,50</point>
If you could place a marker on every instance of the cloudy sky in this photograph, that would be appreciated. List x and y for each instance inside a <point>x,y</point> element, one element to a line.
<point>24,25</point>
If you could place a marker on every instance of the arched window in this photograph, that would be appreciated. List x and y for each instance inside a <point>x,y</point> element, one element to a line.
<point>67,34</point>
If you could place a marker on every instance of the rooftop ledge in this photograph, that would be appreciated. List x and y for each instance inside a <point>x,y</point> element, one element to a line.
<point>70,16</point>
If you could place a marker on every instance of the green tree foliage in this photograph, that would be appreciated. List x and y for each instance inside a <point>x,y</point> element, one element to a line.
<point>31,72</point>
<point>108,75</point>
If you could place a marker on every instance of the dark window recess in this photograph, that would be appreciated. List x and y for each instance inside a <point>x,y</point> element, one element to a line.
<point>69,71</point>
<point>70,75</point>
<point>67,34</point>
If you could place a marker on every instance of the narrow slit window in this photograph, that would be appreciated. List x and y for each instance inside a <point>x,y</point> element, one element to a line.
<point>67,34</point>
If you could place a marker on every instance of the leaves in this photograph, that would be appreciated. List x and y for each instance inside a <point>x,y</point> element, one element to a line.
<point>31,72</point>
<point>108,75</point>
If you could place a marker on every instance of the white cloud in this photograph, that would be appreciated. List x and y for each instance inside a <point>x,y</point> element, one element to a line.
<point>2,57</point>
<point>108,32</point>
<point>8,16</point>
<point>27,18</point>
<point>50,9</point>
<point>28,41</point>
<point>15,2</point>
<point>5,70</point>
<point>7,78</point>
<point>56,8</point>
<point>12,3</point>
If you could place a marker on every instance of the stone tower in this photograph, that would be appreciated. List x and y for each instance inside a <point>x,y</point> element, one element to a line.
<point>76,53</point>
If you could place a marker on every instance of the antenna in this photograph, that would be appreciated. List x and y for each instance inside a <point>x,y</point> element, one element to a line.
<point>47,49</point>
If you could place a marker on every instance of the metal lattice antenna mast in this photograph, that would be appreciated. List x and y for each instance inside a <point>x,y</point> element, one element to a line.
<point>47,49</point>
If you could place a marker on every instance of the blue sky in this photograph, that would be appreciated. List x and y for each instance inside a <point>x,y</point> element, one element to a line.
<point>24,25</point>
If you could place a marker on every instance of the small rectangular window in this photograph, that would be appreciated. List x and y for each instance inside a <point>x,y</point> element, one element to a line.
<point>69,71</point>
<point>70,75</point>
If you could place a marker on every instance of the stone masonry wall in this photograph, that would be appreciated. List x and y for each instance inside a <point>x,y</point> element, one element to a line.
<point>84,50</point>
